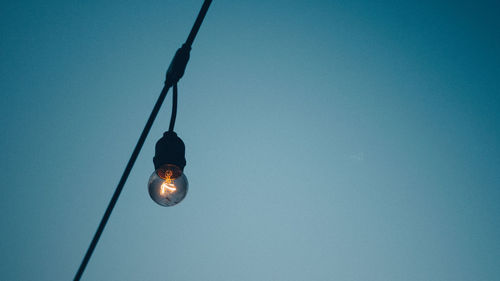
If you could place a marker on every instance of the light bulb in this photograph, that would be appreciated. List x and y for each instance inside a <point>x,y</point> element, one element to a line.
<point>168,185</point>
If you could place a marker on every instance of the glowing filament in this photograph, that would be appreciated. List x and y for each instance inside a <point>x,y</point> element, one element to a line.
<point>167,187</point>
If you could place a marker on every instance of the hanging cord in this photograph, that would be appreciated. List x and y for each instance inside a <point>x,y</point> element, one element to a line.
<point>174,109</point>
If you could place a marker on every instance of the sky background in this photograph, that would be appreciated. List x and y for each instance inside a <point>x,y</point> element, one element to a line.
<point>326,140</point>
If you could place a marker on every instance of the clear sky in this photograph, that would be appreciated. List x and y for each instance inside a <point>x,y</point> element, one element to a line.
<point>326,140</point>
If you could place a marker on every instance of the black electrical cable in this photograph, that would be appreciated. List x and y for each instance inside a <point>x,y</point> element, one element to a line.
<point>121,183</point>
<point>197,23</point>
<point>174,109</point>
<point>178,66</point>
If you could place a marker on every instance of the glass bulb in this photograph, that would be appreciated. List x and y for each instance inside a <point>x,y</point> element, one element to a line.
<point>168,185</point>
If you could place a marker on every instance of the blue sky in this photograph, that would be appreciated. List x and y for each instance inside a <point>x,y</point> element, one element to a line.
<point>326,140</point>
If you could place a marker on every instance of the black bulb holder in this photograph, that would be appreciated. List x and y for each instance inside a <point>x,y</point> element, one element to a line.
<point>170,149</point>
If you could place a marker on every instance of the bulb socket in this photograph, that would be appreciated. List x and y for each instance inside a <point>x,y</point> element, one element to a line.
<point>170,149</point>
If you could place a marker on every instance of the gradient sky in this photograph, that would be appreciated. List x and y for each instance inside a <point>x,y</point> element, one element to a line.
<point>326,140</point>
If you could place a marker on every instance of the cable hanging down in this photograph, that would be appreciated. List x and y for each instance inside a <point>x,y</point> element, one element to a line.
<point>174,109</point>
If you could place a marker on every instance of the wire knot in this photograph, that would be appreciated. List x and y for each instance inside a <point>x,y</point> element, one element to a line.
<point>178,65</point>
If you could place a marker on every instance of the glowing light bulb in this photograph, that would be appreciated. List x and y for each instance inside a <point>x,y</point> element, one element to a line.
<point>168,185</point>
